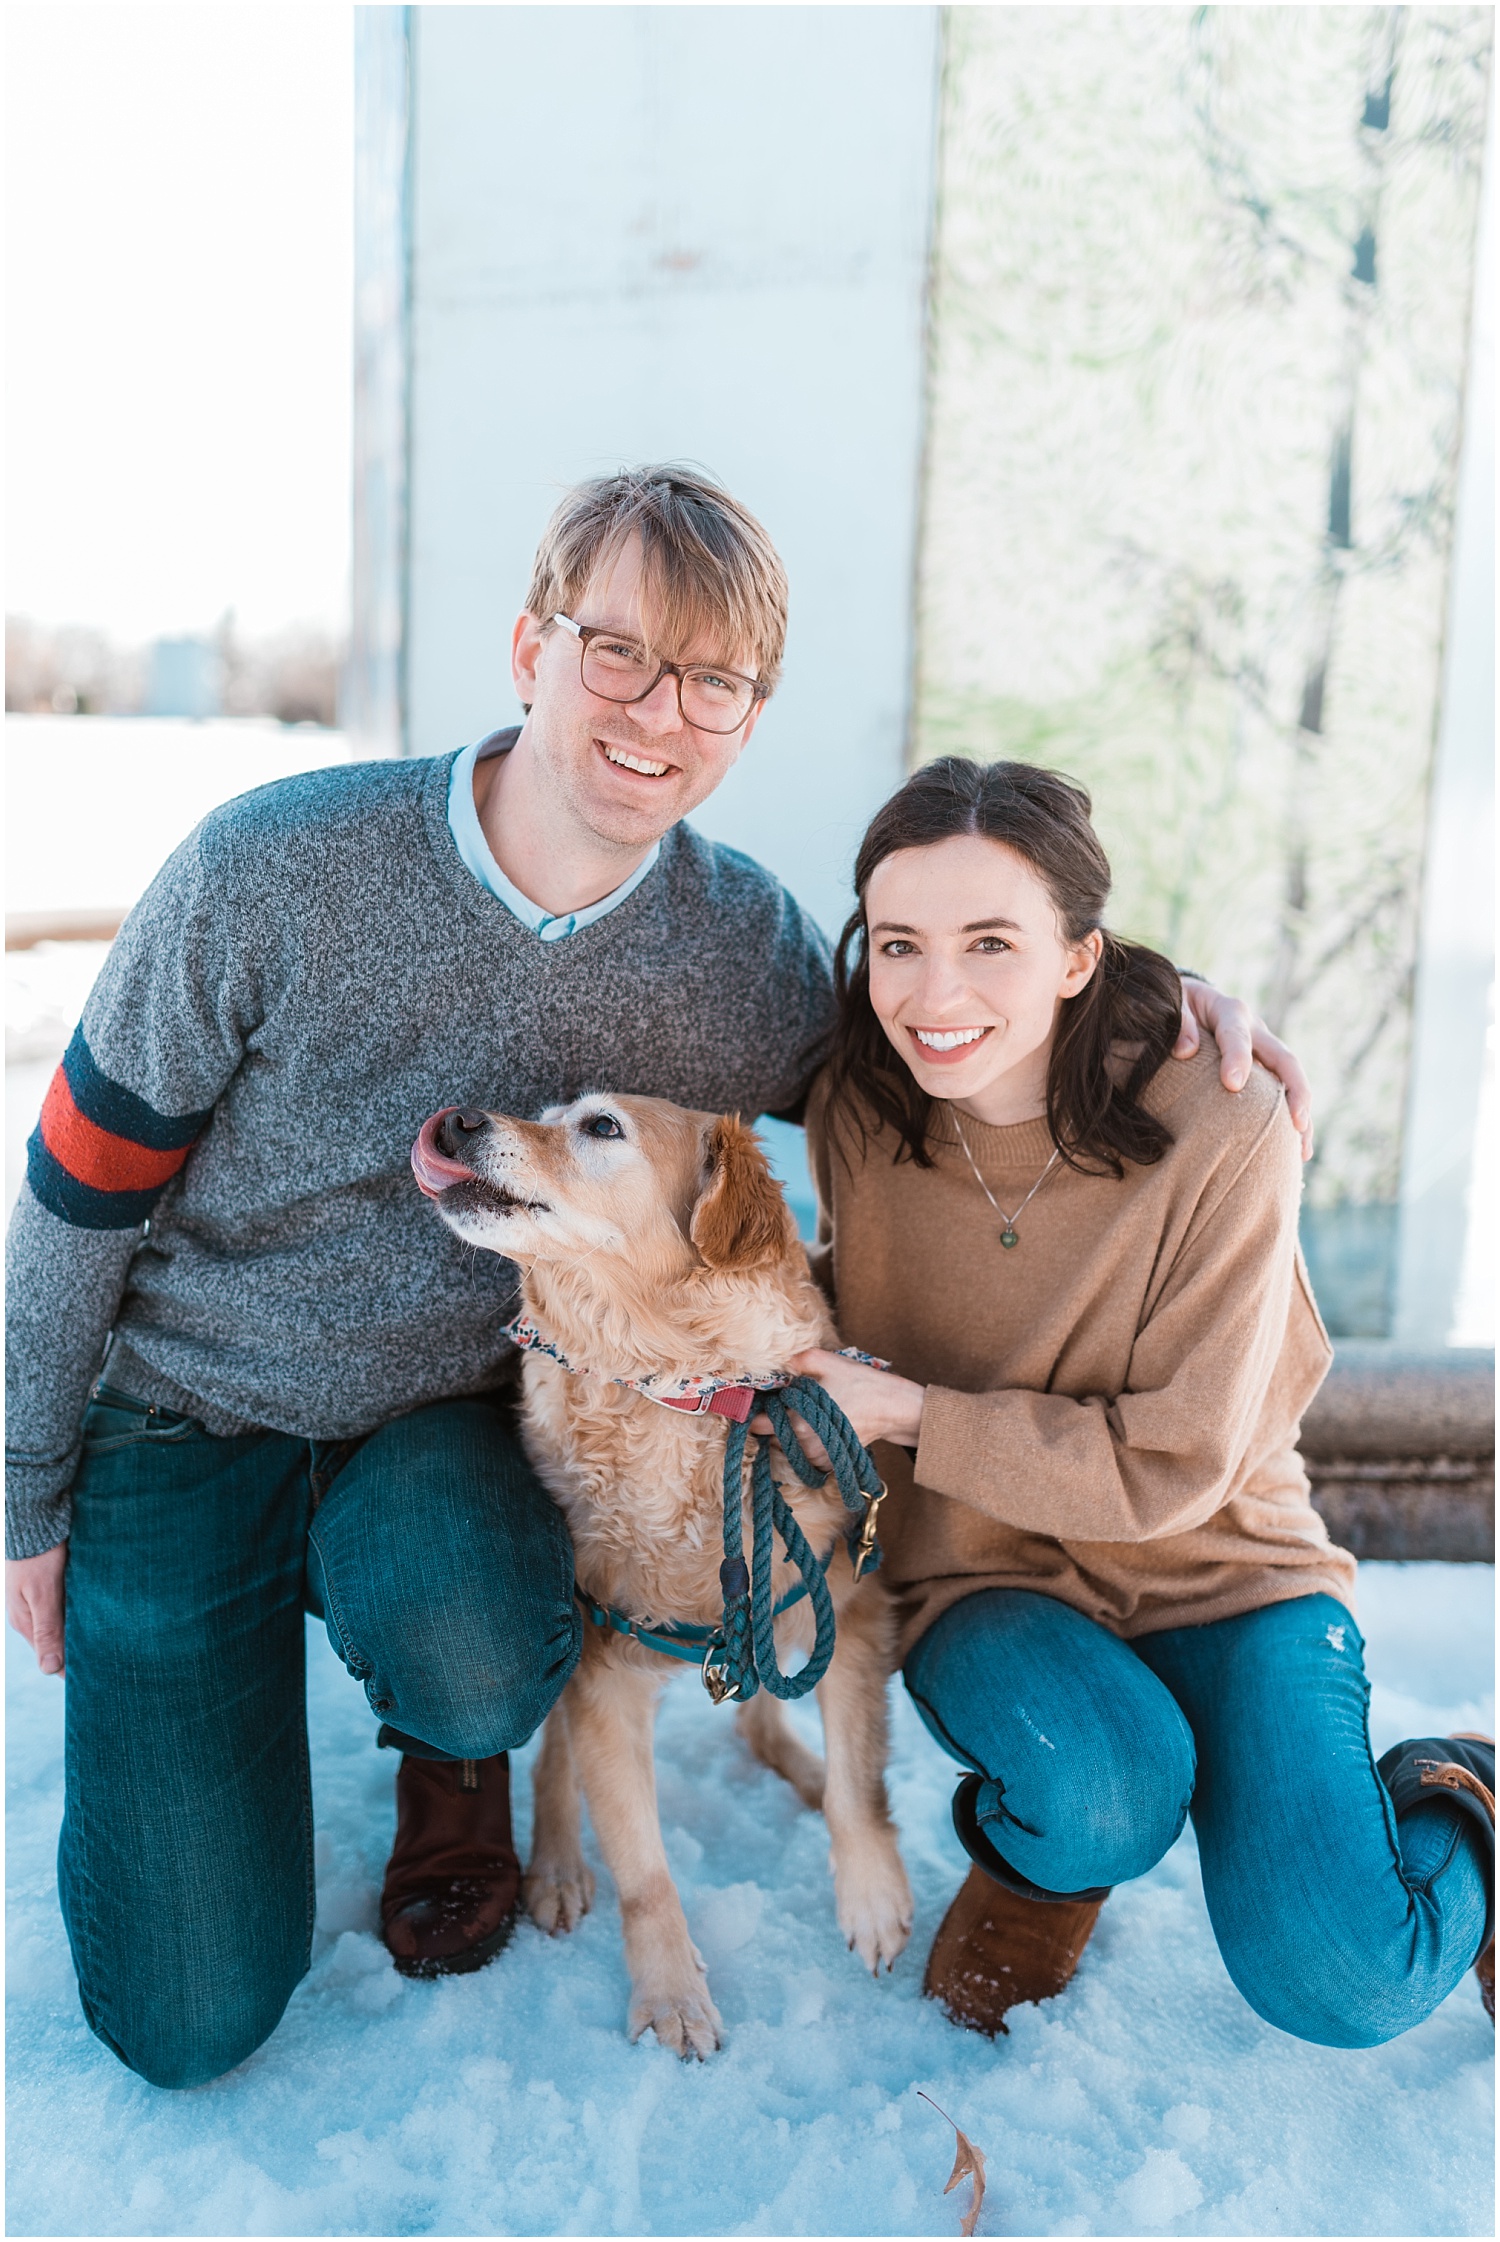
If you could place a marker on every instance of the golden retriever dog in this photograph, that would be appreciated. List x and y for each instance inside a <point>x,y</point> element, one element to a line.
<point>655,1244</point>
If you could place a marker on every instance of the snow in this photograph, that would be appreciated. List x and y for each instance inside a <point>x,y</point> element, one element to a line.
<point>1148,2099</point>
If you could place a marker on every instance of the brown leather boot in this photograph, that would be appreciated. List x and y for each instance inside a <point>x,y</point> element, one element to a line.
<point>1464,1766</point>
<point>995,1950</point>
<point>453,1882</point>
<point>1468,1780</point>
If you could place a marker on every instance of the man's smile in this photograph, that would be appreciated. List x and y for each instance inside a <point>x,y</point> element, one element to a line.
<point>631,759</point>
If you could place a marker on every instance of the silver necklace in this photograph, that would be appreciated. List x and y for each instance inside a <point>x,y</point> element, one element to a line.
<point>1008,1236</point>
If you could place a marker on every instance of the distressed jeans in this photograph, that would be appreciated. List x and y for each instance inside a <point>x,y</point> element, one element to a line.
<point>1337,1923</point>
<point>444,1575</point>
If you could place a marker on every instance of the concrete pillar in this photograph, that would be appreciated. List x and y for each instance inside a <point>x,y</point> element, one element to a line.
<point>1456,960</point>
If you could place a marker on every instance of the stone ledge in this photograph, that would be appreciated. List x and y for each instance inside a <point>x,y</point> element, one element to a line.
<point>25,929</point>
<point>1400,1448</point>
<point>1409,1507</point>
<point>1384,1402</point>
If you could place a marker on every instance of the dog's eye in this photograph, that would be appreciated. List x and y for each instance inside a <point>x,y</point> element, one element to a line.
<point>602,1125</point>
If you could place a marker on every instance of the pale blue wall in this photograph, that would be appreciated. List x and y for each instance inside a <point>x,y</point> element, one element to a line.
<point>696,233</point>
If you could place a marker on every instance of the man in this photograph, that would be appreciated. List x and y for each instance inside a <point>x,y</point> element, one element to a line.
<point>302,1401</point>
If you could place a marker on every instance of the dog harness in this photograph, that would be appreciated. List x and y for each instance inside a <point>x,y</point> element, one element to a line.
<point>683,1638</point>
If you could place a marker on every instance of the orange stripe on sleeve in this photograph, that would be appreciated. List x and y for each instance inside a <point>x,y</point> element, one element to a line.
<point>95,1156</point>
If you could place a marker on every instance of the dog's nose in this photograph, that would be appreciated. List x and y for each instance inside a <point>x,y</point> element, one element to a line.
<point>463,1121</point>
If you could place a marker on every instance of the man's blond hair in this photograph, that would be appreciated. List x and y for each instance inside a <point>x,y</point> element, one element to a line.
<point>711,576</point>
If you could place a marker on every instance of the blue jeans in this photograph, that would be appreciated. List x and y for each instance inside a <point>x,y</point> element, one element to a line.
<point>1336,1923</point>
<point>444,1574</point>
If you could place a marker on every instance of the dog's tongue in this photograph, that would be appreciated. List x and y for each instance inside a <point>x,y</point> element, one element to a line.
<point>433,1169</point>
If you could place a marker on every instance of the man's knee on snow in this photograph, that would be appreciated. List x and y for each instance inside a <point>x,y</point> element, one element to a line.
<point>477,1695</point>
<point>198,2043</point>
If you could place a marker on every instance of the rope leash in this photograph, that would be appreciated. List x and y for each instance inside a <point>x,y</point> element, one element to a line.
<point>738,1657</point>
<point>748,1661</point>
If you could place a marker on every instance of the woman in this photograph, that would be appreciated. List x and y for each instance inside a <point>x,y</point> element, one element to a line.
<point>1118,1602</point>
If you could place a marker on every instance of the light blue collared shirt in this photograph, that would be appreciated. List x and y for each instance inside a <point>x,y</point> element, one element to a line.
<point>469,840</point>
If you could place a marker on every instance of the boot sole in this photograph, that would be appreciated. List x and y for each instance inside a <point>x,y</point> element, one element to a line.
<point>461,1965</point>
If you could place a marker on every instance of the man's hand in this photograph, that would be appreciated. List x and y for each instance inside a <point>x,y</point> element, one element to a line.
<point>1241,1038</point>
<point>34,1603</point>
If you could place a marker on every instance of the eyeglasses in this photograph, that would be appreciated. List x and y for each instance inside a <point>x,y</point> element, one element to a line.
<point>619,669</point>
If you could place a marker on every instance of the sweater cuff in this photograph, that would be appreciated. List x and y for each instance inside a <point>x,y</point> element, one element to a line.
<point>953,1447</point>
<point>36,1523</point>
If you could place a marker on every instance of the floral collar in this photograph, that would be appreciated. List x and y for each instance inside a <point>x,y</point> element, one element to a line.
<point>731,1395</point>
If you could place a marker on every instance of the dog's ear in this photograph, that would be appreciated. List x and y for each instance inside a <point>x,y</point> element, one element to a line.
<point>741,1220</point>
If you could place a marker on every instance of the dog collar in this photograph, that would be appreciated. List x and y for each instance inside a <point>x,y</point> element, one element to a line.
<point>732,1395</point>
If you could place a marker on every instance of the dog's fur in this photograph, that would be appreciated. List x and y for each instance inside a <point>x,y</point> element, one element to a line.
<point>669,1249</point>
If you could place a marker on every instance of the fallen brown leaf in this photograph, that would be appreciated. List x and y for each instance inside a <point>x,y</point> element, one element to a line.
<point>968,2164</point>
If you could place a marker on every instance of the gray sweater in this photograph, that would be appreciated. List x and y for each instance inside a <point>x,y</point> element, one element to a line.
<point>220,1176</point>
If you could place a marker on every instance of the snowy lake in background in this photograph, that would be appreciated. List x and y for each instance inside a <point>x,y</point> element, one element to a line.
<point>95,804</point>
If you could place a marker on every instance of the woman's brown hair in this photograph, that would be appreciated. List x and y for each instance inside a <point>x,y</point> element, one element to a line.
<point>1112,1036</point>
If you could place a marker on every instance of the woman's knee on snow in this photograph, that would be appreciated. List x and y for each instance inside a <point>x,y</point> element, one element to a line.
<point>1332,1996</point>
<point>1101,1825</point>
<point>1360,1960</point>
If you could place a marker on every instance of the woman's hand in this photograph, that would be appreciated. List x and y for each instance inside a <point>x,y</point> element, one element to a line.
<point>34,1603</point>
<point>1243,1037</point>
<point>879,1405</point>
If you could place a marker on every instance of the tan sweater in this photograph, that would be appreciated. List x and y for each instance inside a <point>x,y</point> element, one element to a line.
<point>1113,1404</point>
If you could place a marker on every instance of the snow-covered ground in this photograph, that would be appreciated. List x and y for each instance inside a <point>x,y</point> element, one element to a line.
<point>1146,2100</point>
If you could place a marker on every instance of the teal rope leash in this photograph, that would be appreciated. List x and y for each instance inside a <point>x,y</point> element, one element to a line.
<point>748,1661</point>
<point>739,1655</point>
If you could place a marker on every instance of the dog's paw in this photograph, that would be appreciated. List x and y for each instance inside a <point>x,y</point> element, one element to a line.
<point>874,1908</point>
<point>687,2022</point>
<point>556,1897</point>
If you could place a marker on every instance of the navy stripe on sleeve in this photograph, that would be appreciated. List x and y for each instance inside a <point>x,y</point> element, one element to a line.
<point>109,1105</point>
<point>71,1201</point>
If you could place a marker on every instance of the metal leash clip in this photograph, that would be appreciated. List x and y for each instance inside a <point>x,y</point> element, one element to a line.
<point>866,1552</point>
<point>716,1676</point>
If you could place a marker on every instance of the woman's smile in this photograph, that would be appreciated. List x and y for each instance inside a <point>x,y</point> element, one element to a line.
<point>948,1046</point>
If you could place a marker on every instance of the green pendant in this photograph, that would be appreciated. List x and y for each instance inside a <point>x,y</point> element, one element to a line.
<point>1008,1239</point>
